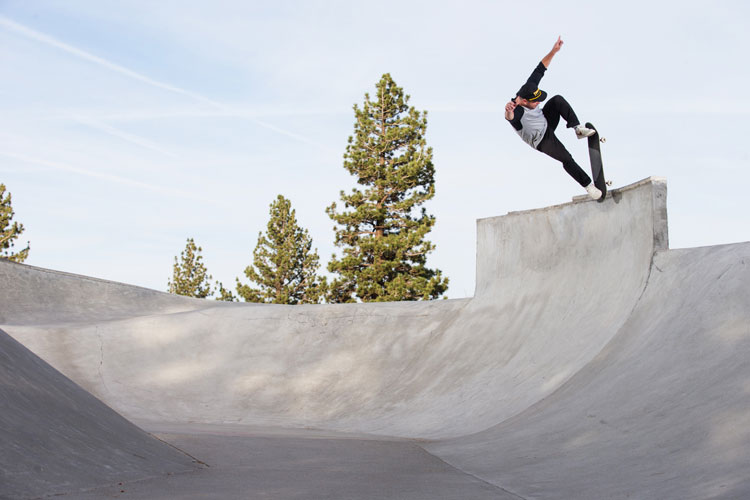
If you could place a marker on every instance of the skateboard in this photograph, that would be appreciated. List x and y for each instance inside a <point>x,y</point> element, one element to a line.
<point>597,169</point>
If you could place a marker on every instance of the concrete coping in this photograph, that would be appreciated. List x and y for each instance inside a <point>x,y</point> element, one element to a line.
<point>586,199</point>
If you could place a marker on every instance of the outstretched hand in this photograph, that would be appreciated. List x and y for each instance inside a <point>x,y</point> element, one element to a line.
<point>558,45</point>
<point>555,49</point>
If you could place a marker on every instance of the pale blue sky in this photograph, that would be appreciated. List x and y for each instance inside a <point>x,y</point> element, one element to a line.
<point>128,126</point>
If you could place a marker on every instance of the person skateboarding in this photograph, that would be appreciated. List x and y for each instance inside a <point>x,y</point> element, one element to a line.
<point>536,124</point>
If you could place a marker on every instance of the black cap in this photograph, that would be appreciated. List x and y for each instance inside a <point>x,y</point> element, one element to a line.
<point>531,93</point>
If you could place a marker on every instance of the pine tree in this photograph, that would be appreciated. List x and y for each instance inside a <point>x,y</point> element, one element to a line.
<point>284,266</point>
<point>9,231</point>
<point>383,231</point>
<point>189,276</point>
<point>224,294</point>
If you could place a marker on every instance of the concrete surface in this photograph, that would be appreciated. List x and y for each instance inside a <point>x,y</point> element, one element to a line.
<point>54,436</point>
<point>592,362</point>
<point>286,467</point>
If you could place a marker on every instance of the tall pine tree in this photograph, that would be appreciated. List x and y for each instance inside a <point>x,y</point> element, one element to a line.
<point>284,265</point>
<point>9,230</point>
<point>189,275</point>
<point>383,227</point>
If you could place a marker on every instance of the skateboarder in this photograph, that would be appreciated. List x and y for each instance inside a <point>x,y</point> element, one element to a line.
<point>536,124</point>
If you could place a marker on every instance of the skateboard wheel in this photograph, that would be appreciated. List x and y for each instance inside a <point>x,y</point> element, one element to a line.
<point>603,139</point>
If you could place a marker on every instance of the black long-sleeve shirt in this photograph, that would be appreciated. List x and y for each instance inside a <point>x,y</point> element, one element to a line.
<point>530,124</point>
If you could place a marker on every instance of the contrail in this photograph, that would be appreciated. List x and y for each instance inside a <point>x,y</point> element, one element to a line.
<point>134,139</point>
<point>48,40</point>
<point>97,175</point>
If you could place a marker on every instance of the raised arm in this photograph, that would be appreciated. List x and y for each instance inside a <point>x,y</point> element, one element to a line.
<point>555,49</point>
<point>538,73</point>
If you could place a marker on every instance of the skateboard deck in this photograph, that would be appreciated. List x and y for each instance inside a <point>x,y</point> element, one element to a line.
<point>597,169</point>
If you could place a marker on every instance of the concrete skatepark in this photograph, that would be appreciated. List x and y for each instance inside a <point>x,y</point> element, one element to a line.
<point>593,362</point>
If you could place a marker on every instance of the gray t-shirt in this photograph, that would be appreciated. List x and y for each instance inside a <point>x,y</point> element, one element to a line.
<point>531,123</point>
<point>533,126</point>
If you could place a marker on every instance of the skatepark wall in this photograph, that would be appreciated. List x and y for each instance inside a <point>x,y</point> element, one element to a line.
<point>553,287</point>
<point>594,237</point>
<point>662,412</point>
<point>35,295</point>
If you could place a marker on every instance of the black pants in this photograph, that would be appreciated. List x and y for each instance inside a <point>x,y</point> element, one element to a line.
<point>551,146</point>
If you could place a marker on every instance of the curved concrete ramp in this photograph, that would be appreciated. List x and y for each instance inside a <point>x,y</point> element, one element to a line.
<point>36,296</point>
<point>56,437</point>
<point>592,362</point>
<point>662,412</point>
<point>421,370</point>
